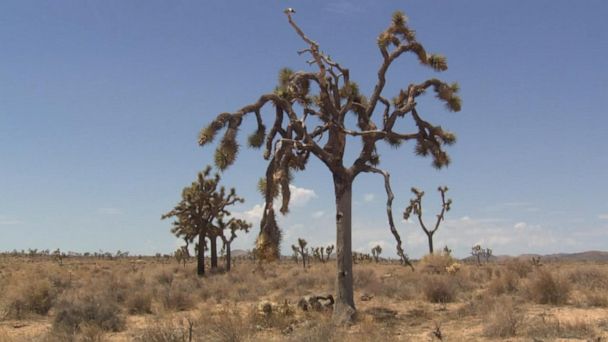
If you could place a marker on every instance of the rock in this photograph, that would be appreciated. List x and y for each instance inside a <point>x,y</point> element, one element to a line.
<point>316,303</point>
<point>366,297</point>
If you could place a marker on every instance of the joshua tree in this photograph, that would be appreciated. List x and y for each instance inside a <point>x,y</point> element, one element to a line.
<point>182,254</point>
<point>296,252</point>
<point>302,250</point>
<point>376,251</point>
<point>416,207</point>
<point>328,250</point>
<point>487,254</point>
<point>477,252</point>
<point>58,256</point>
<point>233,225</point>
<point>309,117</point>
<point>203,202</point>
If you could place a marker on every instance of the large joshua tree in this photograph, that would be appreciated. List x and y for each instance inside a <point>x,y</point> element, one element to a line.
<point>310,112</point>
<point>202,204</point>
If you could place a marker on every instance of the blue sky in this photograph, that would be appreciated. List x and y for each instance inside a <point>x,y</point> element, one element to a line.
<point>101,103</point>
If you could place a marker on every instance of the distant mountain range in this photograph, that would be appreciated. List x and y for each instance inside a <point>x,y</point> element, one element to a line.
<point>581,256</point>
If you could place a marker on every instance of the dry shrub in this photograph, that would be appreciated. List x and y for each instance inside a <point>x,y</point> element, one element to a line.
<point>177,296</point>
<point>139,302</point>
<point>225,326</point>
<point>503,320</point>
<point>439,288</point>
<point>596,298</point>
<point>29,295</point>
<point>546,288</point>
<point>314,330</point>
<point>520,267</point>
<point>366,280</point>
<point>506,282</point>
<point>164,331</point>
<point>435,263</point>
<point>75,312</point>
<point>589,277</point>
<point>545,327</point>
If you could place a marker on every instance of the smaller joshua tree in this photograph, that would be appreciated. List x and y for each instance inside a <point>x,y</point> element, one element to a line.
<point>302,250</point>
<point>196,215</point>
<point>296,252</point>
<point>415,207</point>
<point>233,225</point>
<point>477,252</point>
<point>58,256</point>
<point>182,254</point>
<point>328,250</point>
<point>376,251</point>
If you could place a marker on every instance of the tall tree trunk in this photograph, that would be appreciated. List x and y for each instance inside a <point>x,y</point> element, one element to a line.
<point>344,309</point>
<point>430,236</point>
<point>213,250</point>
<point>200,257</point>
<point>303,258</point>
<point>228,259</point>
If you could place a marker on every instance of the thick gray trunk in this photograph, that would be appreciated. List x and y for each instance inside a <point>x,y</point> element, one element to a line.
<point>430,236</point>
<point>213,250</point>
<point>228,259</point>
<point>200,257</point>
<point>344,308</point>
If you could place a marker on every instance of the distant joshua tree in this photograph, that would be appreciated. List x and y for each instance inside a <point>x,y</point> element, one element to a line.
<point>202,203</point>
<point>182,254</point>
<point>301,249</point>
<point>296,252</point>
<point>416,207</point>
<point>58,256</point>
<point>325,98</point>
<point>376,251</point>
<point>233,225</point>
<point>328,250</point>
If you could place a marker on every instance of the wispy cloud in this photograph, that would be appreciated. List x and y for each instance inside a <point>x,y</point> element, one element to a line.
<point>318,214</point>
<point>109,211</point>
<point>301,196</point>
<point>344,7</point>
<point>603,216</point>
<point>369,197</point>
<point>7,221</point>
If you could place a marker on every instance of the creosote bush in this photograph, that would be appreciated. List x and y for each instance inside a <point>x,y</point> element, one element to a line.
<point>30,296</point>
<point>73,312</point>
<point>503,320</point>
<point>439,288</point>
<point>545,288</point>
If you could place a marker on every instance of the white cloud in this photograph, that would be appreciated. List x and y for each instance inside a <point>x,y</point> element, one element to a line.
<point>380,243</point>
<point>109,211</point>
<point>369,197</point>
<point>252,215</point>
<point>6,221</point>
<point>300,196</point>
<point>520,225</point>
<point>318,214</point>
<point>603,216</point>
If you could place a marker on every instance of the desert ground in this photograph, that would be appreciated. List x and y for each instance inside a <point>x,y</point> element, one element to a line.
<point>157,299</point>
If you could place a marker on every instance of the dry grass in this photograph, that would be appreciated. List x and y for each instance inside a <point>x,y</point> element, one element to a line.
<point>121,300</point>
